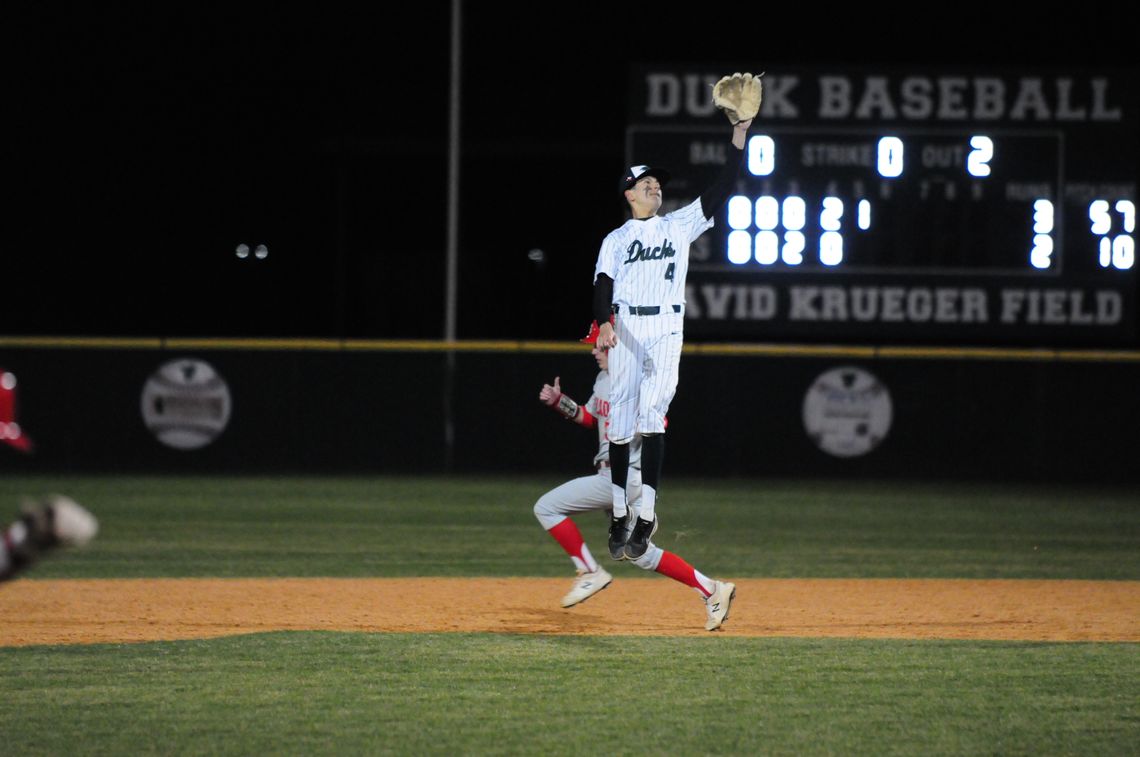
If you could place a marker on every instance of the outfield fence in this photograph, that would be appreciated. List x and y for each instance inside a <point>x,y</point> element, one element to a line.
<point>345,406</point>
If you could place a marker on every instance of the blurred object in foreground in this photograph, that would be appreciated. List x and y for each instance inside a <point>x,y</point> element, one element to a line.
<point>10,431</point>
<point>44,525</point>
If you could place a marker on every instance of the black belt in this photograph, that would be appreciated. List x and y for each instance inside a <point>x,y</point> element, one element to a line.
<point>646,309</point>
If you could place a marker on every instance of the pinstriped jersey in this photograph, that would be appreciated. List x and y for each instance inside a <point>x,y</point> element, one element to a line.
<point>648,260</point>
<point>599,406</point>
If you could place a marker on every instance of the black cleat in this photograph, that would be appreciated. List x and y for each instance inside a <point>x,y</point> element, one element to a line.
<point>618,528</point>
<point>639,540</point>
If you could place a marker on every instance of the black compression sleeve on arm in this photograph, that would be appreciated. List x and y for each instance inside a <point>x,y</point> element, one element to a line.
<point>716,195</point>
<point>603,298</point>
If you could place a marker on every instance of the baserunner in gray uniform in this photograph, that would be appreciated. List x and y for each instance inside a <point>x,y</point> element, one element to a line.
<point>596,493</point>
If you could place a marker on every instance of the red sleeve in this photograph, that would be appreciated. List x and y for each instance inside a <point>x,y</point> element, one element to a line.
<point>584,418</point>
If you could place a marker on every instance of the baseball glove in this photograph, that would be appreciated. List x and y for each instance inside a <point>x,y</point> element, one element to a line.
<point>738,96</point>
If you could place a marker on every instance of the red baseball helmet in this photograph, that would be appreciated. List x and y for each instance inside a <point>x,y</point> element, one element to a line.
<point>592,337</point>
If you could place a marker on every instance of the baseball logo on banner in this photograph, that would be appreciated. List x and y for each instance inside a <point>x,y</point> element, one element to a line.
<point>186,404</point>
<point>847,412</point>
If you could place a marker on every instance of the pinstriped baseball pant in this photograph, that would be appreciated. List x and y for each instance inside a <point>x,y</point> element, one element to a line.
<point>643,373</point>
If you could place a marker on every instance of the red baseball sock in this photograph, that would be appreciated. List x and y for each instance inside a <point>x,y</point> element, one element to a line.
<point>673,566</point>
<point>567,534</point>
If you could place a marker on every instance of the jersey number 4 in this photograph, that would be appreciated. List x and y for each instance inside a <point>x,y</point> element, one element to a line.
<point>669,271</point>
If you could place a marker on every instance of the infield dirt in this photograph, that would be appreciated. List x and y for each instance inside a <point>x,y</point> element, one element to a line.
<point>128,610</point>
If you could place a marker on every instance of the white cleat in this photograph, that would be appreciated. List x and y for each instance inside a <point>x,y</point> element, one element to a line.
<point>718,604</point>
<point>587,585</point>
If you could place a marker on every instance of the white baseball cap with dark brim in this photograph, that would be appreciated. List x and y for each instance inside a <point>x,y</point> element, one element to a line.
<point>636,172</point>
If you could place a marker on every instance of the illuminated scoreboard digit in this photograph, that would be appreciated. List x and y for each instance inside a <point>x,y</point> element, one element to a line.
<point>922,201</point>
<point>992,207</point>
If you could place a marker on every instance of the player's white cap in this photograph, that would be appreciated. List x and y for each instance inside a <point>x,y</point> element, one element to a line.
<point>636,172</point>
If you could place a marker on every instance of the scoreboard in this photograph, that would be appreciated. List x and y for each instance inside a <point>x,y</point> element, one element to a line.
<point>981,207</point>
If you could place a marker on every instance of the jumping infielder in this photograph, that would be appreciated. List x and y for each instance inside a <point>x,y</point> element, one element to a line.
<point>595,493</point>
<point>640,278</point>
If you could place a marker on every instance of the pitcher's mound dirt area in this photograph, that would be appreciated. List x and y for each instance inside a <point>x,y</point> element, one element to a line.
<point>96,611</point>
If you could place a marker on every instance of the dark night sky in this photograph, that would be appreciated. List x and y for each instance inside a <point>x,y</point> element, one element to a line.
<point>147,146</point>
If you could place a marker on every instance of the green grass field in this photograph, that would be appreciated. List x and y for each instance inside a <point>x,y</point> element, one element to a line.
<point>306,693</point>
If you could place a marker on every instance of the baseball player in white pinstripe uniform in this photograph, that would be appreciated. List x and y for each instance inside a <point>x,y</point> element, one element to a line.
<point>587,493</point>
<point>640,278</point>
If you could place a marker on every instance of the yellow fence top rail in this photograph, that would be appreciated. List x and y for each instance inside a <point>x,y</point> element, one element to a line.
<point>864,352</point>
